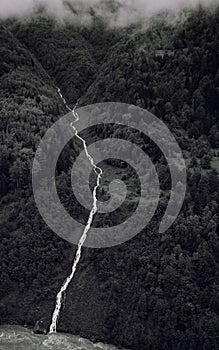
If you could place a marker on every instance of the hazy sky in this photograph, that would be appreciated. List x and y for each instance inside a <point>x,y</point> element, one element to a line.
<point>133,10</point>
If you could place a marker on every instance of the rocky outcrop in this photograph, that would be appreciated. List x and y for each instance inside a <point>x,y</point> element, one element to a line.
<point>40,328</point>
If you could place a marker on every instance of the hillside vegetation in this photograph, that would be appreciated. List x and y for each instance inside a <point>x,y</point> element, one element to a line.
<point>156,291</point>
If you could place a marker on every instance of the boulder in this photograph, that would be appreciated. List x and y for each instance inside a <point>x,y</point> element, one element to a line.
<point>40,328</point>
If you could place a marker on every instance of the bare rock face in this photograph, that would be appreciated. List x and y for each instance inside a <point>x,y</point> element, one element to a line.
<point>40,328</point>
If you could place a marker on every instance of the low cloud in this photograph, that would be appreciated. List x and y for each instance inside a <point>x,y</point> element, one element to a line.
<point>120,12</point>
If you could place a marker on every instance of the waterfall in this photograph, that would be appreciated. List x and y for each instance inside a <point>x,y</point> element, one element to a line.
<point>98,172</point>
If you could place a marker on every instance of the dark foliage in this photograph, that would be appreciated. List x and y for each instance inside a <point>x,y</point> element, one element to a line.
<point>155,291</point>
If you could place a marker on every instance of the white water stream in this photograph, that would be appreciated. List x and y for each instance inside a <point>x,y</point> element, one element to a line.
<point>98,172</point>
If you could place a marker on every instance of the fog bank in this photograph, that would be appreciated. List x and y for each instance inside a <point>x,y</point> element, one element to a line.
<point>119,12</point>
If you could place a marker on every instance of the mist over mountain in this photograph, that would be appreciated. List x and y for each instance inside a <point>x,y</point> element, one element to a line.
<point>117,12</point>
<point>156,291</point>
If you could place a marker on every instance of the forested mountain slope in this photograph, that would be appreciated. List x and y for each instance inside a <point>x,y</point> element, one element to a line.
<point>155,291</point>
<point>61,48</point>
<point>29,105</point>
<point>178,84</point>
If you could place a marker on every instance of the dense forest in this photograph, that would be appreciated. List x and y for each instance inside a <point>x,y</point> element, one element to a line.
<point>156,291</point>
